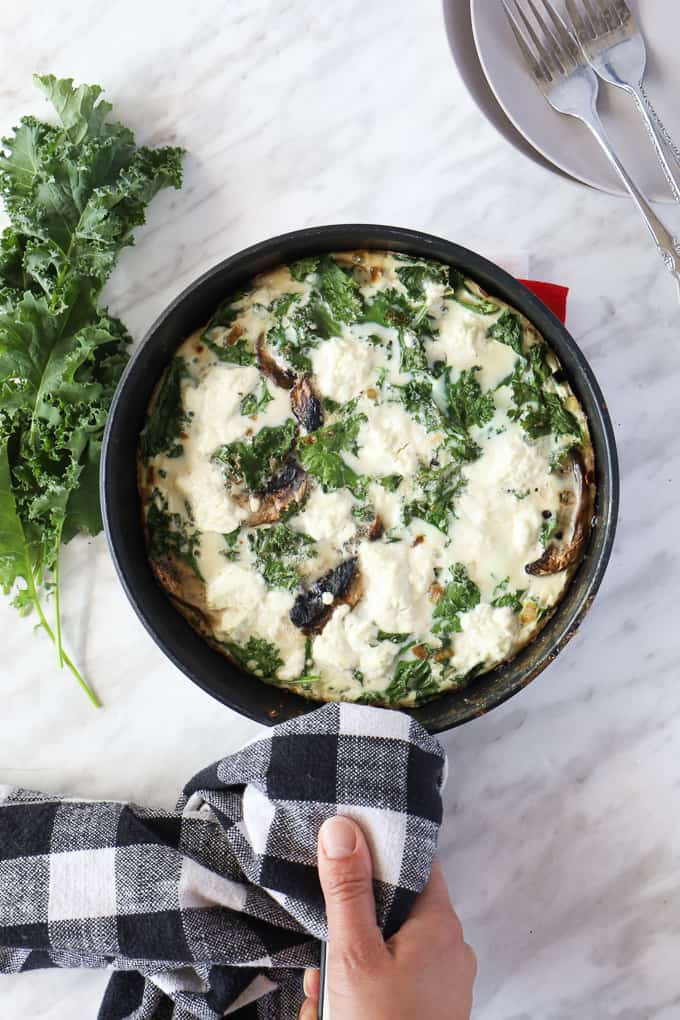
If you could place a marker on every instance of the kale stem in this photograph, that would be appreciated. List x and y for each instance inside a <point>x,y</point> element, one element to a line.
<point>57,608</point>
<point>65,659</point>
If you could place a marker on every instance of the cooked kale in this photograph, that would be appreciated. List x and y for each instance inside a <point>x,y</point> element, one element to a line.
<point>440,485</point>
<point>253,462</point>
<point>412,675</point>
<point>320,453</point>
<point>167,419</point>
<point>502,596</point>
<point>258,656</point>
<point>460,595</point>
<point>277,551</point>
<point>254,402</point>
<point>230,552</point>
<point>170,534</point>
<point>301,269</point>
<point>339,290</point>
<point>507,329</point>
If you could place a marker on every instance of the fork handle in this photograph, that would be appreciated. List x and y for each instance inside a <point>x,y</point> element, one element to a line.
<point>661,140</point>
<point>667,245</point>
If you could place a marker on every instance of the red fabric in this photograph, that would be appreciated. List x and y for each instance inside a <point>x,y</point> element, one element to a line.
<point>551,294</point>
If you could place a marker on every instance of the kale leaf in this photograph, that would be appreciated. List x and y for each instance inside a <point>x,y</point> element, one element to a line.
<point>320,454</point>
<point>507,329</point>
<point>390,482</point>
<point>301,269</point>
<point>277,550</point>
<point>440,485</point>
<point>254,402</point>
<point>466,406</point>
<point>167,418</point>
<point>74,194</point>
<point>414,274</point>
<point>503,597</point>
<point>254,461</point>
<point>171,534</point>
<point>412,675</point>
<point>460,595</point>
<point>339,290</point>
<point>539,412</point>
<point>258,656</point>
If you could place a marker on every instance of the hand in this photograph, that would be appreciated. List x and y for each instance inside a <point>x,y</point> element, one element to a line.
<point>425,971</point>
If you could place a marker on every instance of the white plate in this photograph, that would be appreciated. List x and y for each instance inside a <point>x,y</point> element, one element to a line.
<point>461,40</point>
<point>561,139</point>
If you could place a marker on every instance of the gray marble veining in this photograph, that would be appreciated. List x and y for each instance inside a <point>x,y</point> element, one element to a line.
<point>562,833</point>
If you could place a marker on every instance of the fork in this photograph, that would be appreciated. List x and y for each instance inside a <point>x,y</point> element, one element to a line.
<point>568,83</point>
<point>615,49</point>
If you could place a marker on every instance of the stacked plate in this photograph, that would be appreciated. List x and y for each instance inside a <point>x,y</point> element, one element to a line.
<point>493,71</point>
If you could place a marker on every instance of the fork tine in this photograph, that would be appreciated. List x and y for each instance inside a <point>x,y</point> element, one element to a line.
<point>583,31</point>
<point>532,60</point>
<point>544,59</point>
<point>610,14</point>
<point>550,40</point>
<point>598,23</point>
<point>563,34</point>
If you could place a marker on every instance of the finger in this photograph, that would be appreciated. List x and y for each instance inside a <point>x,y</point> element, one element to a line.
<point>311,983</point>
<point>435,896</point>
<point>345,871</point>
<point>309,1010</point>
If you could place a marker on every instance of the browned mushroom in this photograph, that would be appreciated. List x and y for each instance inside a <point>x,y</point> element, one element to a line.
<point>270,367</point>
<point>287,486</point>
<point>311,613</point>
<point>559,557</point>
<point>369,263</point>
<point>376,530</point>
<point>306,405</point>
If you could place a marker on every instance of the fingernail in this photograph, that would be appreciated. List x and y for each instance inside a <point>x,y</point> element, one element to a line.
<point>338,838</point>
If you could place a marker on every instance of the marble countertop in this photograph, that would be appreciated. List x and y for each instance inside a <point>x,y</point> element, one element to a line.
<point>562,834</point>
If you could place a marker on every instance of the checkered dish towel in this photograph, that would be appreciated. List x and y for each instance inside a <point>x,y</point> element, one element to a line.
<point>213,910</point>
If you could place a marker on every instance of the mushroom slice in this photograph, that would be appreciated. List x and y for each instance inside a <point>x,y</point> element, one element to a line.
<point>287,486</point>
<point>376,530</point>
<point>270,367</point>
<point>557,558</point>
<point>306,405</point>
<point>311,612</point>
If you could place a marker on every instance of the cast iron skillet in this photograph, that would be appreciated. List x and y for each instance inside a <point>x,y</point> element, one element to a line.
<point>122,516</point>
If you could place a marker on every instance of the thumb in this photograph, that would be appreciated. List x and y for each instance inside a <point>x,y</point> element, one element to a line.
<point>345,871</point>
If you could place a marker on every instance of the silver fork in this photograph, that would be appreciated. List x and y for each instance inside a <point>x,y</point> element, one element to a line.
<point>569,85</point>
<point>616,50</point>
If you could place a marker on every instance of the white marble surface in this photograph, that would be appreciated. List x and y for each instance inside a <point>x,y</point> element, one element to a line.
<point>562,832</point>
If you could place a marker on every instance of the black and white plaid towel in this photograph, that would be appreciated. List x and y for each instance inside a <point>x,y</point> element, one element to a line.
<point>213,910</point>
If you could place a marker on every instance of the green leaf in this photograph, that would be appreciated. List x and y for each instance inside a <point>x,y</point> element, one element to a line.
<point>507,329</point>
<point>396,639</point>
<point>440,486</point>
<point>548,529</point>
<point>512,599</point>
<point>79,109</point>
<point>257,656</point>
<point>74,195</point>
<point>254,461</point>
<point>167,418</point>
<point>339,290</point>
<point>392,308</point>
<point>466,404</point>
<point>231,552</point>
<point>301,269</point>
<point>277,550</point>
<point>460,595</point>
<point>320,454</point>
<point>417,273</point>
<point>390,482</point>
<point>171,534</point>
<point>14,561</point>
<point>412,675</point>
<point>254,402</point>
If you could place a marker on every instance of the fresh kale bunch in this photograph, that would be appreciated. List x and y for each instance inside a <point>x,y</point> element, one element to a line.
<point>74,195</point>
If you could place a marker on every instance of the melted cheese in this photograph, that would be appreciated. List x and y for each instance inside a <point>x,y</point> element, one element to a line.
<point>391,441</point>
<point>343,368</point>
